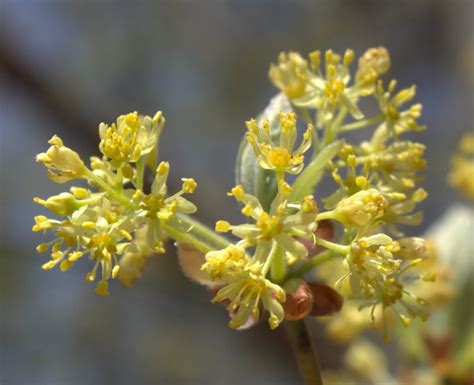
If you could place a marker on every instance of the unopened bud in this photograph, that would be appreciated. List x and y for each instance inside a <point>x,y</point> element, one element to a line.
<point>374,59</point>
<point>62,204</point>
<point>299,301</point>
<point>326,301</point>
<point>361,209</point>
<point>63,163</point>
<point>131,268</point>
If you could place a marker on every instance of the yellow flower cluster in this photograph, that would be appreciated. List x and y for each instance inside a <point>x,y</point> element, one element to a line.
<point>244,286</point>
<point>327,89</point>
<point>102,225</point>
<point>412,289</point>
<point>377,179</point>
<point>377,186</point>
<point>120,221</point>
<point>271,235</point>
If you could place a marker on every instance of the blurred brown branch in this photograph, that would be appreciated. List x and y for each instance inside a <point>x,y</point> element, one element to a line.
<point>53,100</point>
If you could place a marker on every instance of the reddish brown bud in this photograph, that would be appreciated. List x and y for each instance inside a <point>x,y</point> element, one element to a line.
<point>298,303</point>
<point>326,301</point>
<point>438,349</point>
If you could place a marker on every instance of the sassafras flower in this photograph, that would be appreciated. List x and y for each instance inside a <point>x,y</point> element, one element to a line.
<point>161,210</point>
<point>102,226</point>
<point>63,163</point>
<point>225,264</point>
<point>249,293</point>
<point>282,157</point>
<point>131,137</point>
<point>93,232</point>
<point>290,74</point>
<point>375,278</point>
<point>361,210</point>
<point>373,63</point>
<point>281,225</point>
<point>330,90</point>
<point>398,121</point>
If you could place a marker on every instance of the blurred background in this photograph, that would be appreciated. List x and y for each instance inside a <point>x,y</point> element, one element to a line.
<point>65,66</point>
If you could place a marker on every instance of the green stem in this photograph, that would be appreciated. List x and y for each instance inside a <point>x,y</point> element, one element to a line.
<point>278,264</point>
<point>188,237</point>
<point>333,128</point>
<point>201,236</point>
<point>269,259</point>
<point>304,352</point>
<point>307,181</point>
<point>310,265</point>
<point>362,123</point>
<point>204,232</point>
<point>341,249</point>
<point>116,195</point>
<point>325,215</point>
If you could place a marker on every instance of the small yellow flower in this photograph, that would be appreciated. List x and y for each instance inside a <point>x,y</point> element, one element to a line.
<point>62,204</point>
<point>327,92</point>
<point>373,63</point>
<point>398,121</point>
<point>63,163</point>
<point>281,225</point>
<point>281,158</point>
<point>131,137</point>
<point>158,205</point>
<point>42,223</point>
<point>290,74</point>
<point>223,226</point>
<point>375,275</point>
<point>249,292</point>
<point>102,288</point>
<point>362,209</point>
<point>226,263</point>
<point>189,185</point>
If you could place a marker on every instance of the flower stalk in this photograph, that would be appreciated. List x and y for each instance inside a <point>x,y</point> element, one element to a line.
<point>304,352</point>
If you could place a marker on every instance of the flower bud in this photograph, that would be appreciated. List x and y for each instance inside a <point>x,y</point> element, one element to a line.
<point>362,209</point>
<point>63,163</point>
<point>189,185</point>
<point>299,301</point>
<point>290,75</point>
<point>131,267</point>
<point>62,204</point>
<point>375,60</point>
<point>326,301</point>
